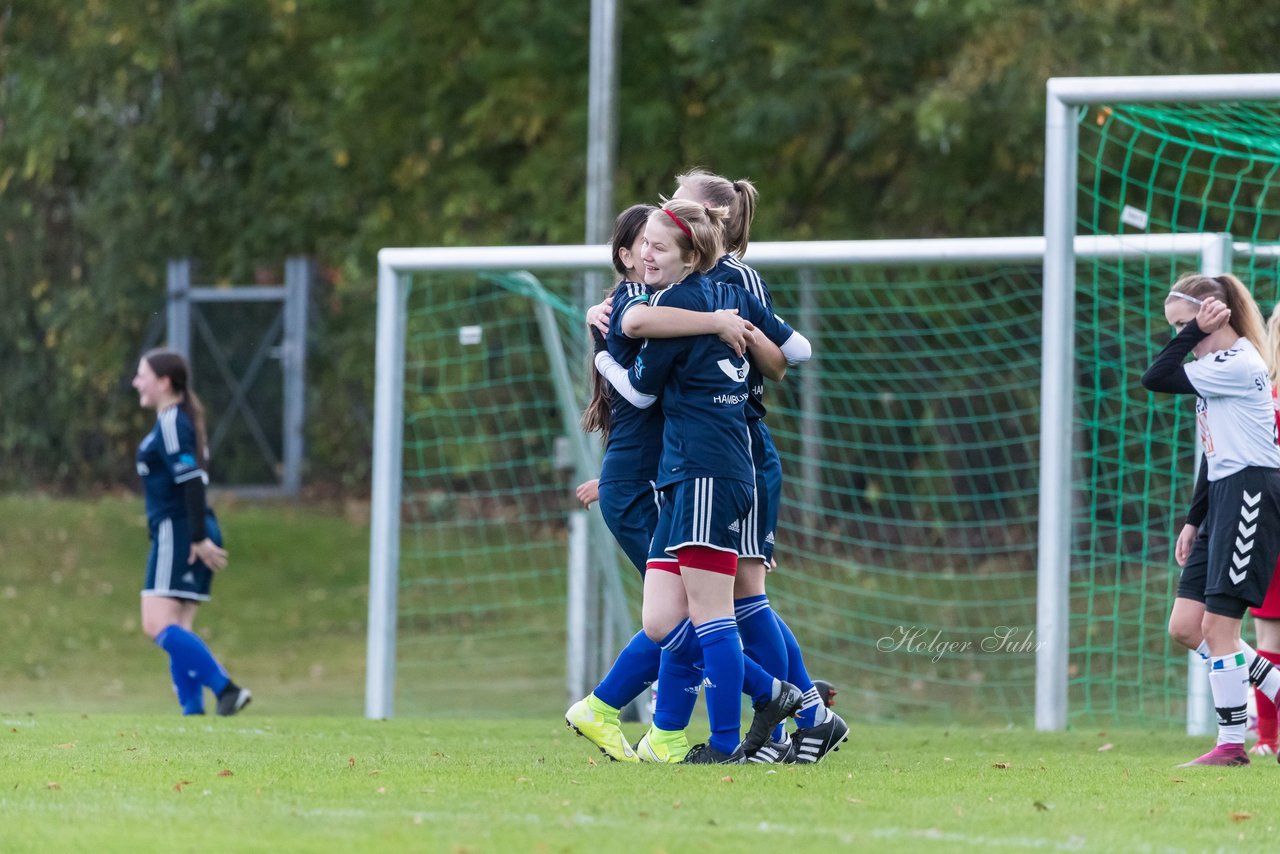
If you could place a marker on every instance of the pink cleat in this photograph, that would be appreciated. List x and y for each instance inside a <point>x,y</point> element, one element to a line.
<point>1222,755</point>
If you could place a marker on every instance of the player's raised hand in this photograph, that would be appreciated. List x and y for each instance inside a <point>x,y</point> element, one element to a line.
<point>733,330</point>
<point>1213,315</point>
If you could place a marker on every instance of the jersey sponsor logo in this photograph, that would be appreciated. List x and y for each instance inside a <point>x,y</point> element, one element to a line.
<point>732,371</point>
<point>729,399</point>
<point>638,367</point>
<point>1226,354</point>
<point>734,527</point>
<point>769,538</point>
<point>757,390</point>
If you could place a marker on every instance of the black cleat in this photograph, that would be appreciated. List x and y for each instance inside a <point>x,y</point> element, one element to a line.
<point>826,692</point>
<point>775,753</point>
<point>769,715</point>
<point>232,699</point>
<point>705,754</point>
<point>810,745</point>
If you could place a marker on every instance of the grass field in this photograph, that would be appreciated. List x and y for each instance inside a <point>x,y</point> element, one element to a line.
<point>93,756</point>
<point>160,783</point>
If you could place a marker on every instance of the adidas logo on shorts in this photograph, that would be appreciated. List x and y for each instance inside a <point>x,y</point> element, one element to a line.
<point>734,527</point>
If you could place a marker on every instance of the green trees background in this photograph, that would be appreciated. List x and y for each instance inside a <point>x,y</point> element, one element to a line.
<point>240,131</point>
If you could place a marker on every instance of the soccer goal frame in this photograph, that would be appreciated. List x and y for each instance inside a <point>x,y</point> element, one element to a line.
<point>397,265</point>
<point>1066,96</point>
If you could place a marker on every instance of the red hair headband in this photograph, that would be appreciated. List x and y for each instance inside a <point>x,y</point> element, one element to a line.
<point>681,225</point>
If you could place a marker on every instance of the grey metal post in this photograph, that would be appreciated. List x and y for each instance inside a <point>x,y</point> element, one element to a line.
<point>298,273</point>
<point>1057,390</point>
<point>384,523</point>
<point>178,286</point>
<point>602,134</point>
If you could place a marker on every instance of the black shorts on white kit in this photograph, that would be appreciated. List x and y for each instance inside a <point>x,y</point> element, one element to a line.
<point>1235,552</point>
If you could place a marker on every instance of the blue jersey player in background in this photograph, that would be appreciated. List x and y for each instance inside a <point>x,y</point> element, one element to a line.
<point>186,543</point>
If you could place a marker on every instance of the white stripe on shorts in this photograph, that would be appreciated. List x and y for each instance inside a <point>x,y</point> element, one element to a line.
<point>164,556</point>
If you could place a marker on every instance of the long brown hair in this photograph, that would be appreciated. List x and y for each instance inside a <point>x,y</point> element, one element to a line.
<point>1246,317</point>
<point>171,364</point>
<point>626,228</point>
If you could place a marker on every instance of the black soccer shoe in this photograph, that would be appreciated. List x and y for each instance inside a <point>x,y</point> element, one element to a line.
<point>826,692</point>
<point>232,699</point>
<point>705,754</point>
<point>775,753</point>
<point>808,746</point>
<point>769,715</point>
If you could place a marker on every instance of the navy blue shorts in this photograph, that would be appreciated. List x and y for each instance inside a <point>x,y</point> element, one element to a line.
<point>630,509</point>
<point>703,511</point>
<point>762,521</point>
<point>168,573</point>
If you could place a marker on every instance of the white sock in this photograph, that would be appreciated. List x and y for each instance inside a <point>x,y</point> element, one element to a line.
<point>1229,681</point>
<point>1262,674</point>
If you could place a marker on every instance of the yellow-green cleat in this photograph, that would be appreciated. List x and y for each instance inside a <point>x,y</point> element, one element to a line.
<point>662,746</point>
<point>597,722</point>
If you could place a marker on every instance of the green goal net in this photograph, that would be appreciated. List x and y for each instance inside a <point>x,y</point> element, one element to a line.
<point>1149,169</point>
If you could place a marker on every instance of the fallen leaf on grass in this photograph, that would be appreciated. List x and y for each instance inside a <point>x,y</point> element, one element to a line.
<point>1001,765</point>
<point>523,780</point>
<point>1105,747</point>
<point>1042,806</point>
<point>52,786</point>
<point>226,772</point>
<point>381,790</point>
<point>726,779</point>
<point>67,746</point>
<point>855,800</point>
<point>591,761</point>
<point>1241,816</point>
<point>177,787</point>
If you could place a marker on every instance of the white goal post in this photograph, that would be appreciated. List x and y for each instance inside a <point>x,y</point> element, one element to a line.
<point>1065,97</point>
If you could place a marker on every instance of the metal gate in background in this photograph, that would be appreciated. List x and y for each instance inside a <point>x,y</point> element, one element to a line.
<point>230,335</point>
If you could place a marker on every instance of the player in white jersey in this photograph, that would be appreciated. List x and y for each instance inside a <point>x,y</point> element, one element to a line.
<point>1229,545</point>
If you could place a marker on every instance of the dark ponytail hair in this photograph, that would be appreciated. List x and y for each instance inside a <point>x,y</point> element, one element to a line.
<point>171,364</point>
<point>626,228</point>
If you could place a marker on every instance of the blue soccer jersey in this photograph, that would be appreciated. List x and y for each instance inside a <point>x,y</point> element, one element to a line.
<point>635,435</point>
<point>703,388</point>
<point>166,460</point>
<point>730,270</point>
